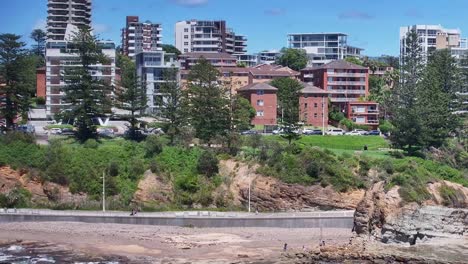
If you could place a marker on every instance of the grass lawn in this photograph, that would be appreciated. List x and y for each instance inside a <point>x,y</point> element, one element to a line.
<point>352,143</point>
<point>58,126</point>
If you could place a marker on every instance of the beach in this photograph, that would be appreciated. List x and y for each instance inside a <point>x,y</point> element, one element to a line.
<point>167,244</point>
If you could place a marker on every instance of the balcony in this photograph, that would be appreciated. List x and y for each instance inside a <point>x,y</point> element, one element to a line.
<point>363,92</point>
<point>346,83</point>
<point>342,100</point>
<point>346,74</point>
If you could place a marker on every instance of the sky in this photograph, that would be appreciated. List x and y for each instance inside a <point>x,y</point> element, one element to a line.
<point>371,24</point>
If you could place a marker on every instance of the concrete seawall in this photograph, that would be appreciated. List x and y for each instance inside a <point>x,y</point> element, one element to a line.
<point>293,221</point>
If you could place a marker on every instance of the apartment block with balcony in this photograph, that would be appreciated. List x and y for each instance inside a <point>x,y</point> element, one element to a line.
<point>62,55</point>
<point>247,59</point>
<point>268,56</point>
<point>208,37</point>
<point>364,113</point>
<point>61,13</point>
<point>188,60</point>
<point>140,36</point>
<point>323,48</point>
<point>435,37</point>
<point>262,97</point>
<point>150,69</point>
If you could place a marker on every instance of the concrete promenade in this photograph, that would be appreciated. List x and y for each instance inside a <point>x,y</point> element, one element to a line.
<point>321,219</point>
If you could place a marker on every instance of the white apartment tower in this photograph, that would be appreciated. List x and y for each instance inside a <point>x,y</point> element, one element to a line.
<point>208,37</point>
<point>62,13</point>
<point>65,17</point>
<point>323,48</point>
<point>434,37</point>
<point>140,36</point>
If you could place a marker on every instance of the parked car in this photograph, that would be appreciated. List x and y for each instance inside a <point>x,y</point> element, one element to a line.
<point>249,132</point>
<point>335,132</point>
<point>30,129</point>
<point>312,132</point>
<point>353,133</point>
<point>153,131</point>
<point>361,131</point>
<point>105,132</point>
<point>374,133</point>
<point>68,132</point>
<point>278,131</point>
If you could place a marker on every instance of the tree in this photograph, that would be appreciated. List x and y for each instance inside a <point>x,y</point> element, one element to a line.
<point>436,95</point>
<point>354,60</point>
<point>295,59</point>
<point>39,36</point>
<point>242,113</point>
<point>15,71</point>
<point>391,61</point>
<point>88,97</point>
<point>171,49</point>
<point>132,94</point>
<point>207,102</point>
<point>288,104</point>
<point>405,116</point>
<point>171,104</point>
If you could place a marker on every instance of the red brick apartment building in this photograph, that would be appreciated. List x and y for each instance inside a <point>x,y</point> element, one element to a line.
<point>313,106</point>
<point>348,88</point>
<point>262,96</point>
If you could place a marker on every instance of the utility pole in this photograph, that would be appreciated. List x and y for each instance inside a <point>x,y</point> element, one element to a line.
<point>323,115</point>
<point>104,191</point>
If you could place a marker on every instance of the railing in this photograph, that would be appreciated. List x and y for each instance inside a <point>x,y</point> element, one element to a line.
<point>346,74</point>
<point>334,99</point>
<point>363,92</point>
<point>346,83</point>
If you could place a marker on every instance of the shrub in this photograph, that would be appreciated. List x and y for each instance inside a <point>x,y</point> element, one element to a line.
<point>91,144</point>
<point>208,164</point>
<point>336,116</point>
<point>113,169</point>
<point>153,145</point>
<point>40,100</point>
<point>313,170</point>
<point>452,197</point>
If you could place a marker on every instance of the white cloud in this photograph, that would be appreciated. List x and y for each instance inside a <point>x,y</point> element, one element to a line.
<point>40,24</point>
<point>190,3</point>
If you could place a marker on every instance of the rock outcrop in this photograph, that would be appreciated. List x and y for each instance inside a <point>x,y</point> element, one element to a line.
<point>152,190</point>
<point>41,193</point>
<point>383,215</point>
<point>270,194</point>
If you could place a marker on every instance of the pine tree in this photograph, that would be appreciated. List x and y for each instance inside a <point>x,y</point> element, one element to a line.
<point>288,103</point>
<point>88,97</point>
<point>405,116</point>
<point>39,36</point>
<point>436,97</point>
<point>171,104</point>
<point>14,71</point>
<point>207,102</point>
<point>131,94</point>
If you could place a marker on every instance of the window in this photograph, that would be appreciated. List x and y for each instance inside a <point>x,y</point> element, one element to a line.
<point>260,102</point>
<point>260,113</point>
<point>185,50</point>
<point>186,43</point>
<point>315,115</point>
<point>185,36</point>
<point>315,105</point>
<point>185,29</point>
<point>305,105</point>
<point>260,92</point>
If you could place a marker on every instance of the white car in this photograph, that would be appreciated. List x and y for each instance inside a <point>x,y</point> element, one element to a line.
<point>335,132</point>
<point>361,131</point>
<point>278,131</point>
<point>353,133</point>
<point>55,131</point>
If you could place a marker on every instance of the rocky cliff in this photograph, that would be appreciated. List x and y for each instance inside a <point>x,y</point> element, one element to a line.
<point>383,215</point>
<point>270,194</point>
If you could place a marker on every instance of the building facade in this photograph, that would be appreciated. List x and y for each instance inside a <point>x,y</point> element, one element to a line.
<point>268,56</point>
<point>140,36</point>
<point>435,37</point>
<point>262,97</point>
<point>363,113</point>
<point>208,37</point>
<point>150,69</point>
<point>247,60</point>
<point>62,13</point>
<point>313,106</point>
<point>63,54</point>
<point>187,60</point>
<point>323,48</point>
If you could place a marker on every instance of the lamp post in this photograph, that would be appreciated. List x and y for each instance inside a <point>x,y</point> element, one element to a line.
<point>104,191</point>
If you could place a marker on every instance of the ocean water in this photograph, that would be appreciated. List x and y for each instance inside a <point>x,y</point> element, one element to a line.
<point>46,253</point>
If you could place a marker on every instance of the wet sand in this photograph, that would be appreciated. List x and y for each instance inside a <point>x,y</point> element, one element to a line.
<point>164,244</point>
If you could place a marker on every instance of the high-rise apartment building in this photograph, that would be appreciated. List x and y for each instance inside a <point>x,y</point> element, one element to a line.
<point>65,17</point>
<point>323,48</point>
<point>62,13</point>
<point>434,37</point>
<point>140,36</point>
<point>208,37</point>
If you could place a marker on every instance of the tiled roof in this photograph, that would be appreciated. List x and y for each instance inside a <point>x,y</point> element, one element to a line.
<point>258,86</point>
<point>233,69</point>
<point>310,89</point>
<point>341,64</point>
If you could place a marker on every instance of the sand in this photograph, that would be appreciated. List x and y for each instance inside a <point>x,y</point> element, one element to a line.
<point>164,244</point>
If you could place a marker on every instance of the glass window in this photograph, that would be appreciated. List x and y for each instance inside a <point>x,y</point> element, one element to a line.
<point>315,105</point>
<point>260,92</point>
<point>260,113</point>
<point>260,102</point>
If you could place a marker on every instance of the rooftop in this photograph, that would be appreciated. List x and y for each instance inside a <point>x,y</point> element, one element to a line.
<point>311,89</point>
<point>338,64</point>
<point>322,33</point>
<point>258,86</point>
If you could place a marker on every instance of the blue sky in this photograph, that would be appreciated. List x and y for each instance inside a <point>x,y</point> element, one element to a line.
<point>370,24</point>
